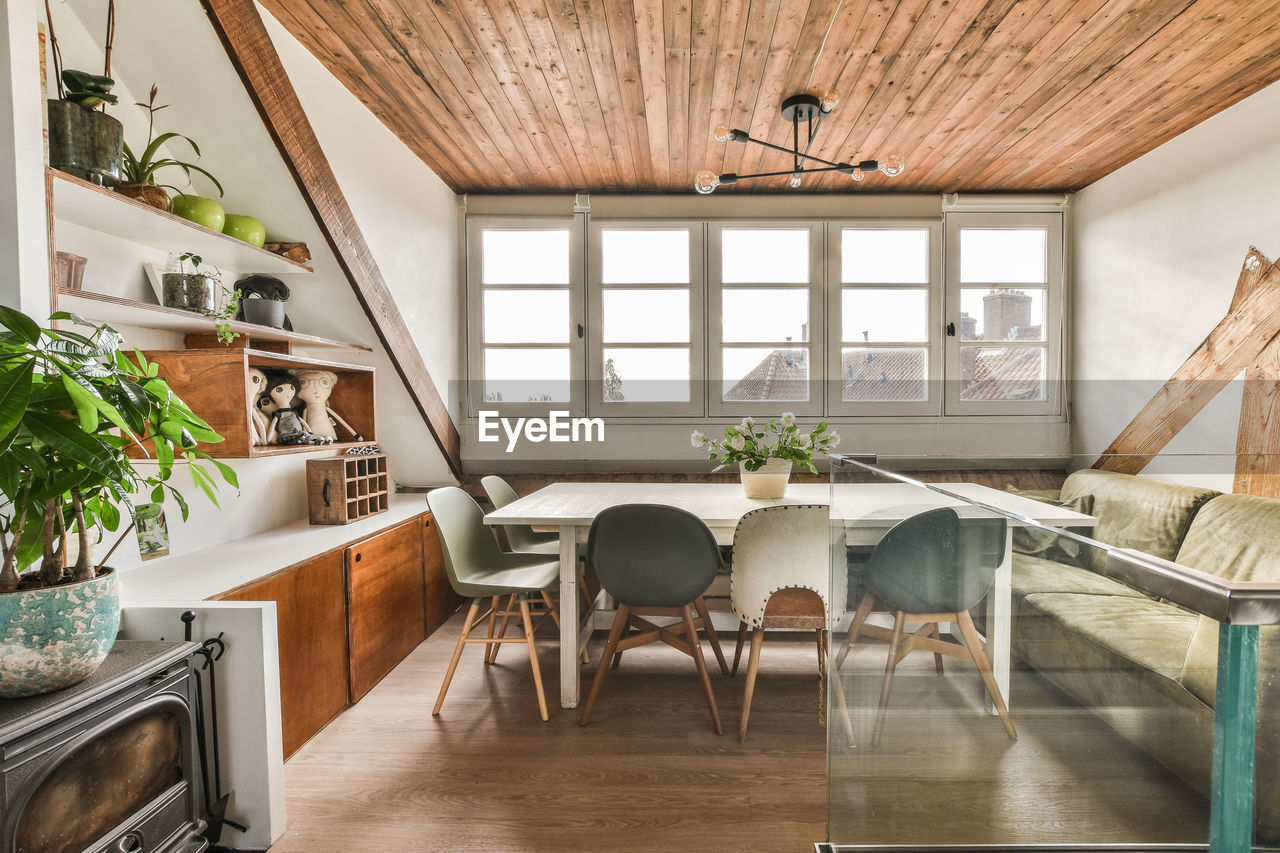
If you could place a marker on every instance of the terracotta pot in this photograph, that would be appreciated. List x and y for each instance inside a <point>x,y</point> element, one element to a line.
<point>769,482</point>
<point>149,193</point>
<point>54,637</point>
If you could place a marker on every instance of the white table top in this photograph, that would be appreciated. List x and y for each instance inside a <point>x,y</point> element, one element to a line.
<point>723,504</point>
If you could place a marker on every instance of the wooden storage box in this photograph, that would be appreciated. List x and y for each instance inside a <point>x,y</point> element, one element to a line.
<point>343,489</point>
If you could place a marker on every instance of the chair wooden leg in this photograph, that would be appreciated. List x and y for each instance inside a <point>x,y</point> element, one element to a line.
<point>974,644</point>
<point>838,687</point>
<point>696,648</point>
<point>859,619</point>
<point>507,613</point>
<point>737,653</point>
<point>457,653</point>
<point>895,640</point>
<point>551,607</point>
<point>937,657</point>
<point>533,656</point>
<point>753,666</point>
<point>620,621</point>
<point>822,676</point>
<point>710,630</point>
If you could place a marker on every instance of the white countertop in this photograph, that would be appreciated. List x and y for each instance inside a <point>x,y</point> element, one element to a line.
<point>211,571</point>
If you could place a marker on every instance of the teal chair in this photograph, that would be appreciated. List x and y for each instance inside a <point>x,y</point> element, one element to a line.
<point>520,538</point>
<point>931,568</point>
<point>478,569</point>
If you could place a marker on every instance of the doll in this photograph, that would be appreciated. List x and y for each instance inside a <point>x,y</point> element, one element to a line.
<point>258,424</point>
<point>279,400</point>
<point>314,388</point>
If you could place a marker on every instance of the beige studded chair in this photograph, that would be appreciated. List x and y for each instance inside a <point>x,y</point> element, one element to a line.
<point>781,578</point>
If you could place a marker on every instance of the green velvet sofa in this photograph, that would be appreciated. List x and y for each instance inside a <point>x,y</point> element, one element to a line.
<point>1146,666</point>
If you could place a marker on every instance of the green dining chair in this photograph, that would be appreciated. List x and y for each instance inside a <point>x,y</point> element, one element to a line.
<point>932,568</point>
<point>478,569</point>
<point>517,537</point>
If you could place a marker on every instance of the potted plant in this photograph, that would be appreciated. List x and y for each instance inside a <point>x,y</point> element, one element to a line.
<point>766,452</point>
<point>83,140</point>
<point>71,407</point>
<point>263,299</point>
<point>196,290</point>
<point>138,173</point>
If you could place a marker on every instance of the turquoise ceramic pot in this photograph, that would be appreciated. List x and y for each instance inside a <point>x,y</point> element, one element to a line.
<point>53,638</point>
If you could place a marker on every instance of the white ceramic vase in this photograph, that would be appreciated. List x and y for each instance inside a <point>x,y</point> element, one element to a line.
<point>769,482</point>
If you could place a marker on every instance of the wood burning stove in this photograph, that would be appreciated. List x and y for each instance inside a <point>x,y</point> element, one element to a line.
<point>109,765</point>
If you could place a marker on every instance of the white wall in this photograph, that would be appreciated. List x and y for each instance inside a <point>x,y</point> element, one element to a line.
<point>1158,246</point>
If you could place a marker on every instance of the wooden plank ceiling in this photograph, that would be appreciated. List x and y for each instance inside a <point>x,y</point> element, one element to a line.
<point>623,95</point>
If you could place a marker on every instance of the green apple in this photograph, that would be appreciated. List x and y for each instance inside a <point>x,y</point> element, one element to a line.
<point>245,228</point>
<point>200,210</point>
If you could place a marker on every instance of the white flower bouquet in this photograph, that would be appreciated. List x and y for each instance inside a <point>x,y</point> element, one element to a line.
<point>753,444</point>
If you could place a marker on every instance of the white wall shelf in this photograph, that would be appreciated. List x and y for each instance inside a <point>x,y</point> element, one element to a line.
<point>117,311</point>
<point>90,206</point>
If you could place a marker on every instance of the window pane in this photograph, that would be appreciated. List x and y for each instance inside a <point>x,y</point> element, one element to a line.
<point>884,374</point>
<point>765,255</point>
<point>1002,373</point>
<point>759,314</point>
<point>884,255</point>
<point>525,257</point>
<point>1002,255</point>
<point>1001,314</point>
<point>526,375</point>
<point>526,316</point>
<point>756,373</point>
<point>884,314</point>
<point>640,375</point>
<point>644,257</point>
<point>639,316</point>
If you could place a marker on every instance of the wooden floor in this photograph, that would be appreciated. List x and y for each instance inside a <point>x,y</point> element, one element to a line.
<point>650,774</point>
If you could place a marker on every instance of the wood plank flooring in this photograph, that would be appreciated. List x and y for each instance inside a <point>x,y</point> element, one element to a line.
<point>649,773</point>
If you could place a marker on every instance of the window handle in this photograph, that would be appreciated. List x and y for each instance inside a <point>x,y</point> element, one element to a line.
<point>951,330</point>
<point>579,331</point>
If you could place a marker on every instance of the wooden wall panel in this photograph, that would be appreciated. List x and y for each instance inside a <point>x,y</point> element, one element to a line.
<point>622,95</point>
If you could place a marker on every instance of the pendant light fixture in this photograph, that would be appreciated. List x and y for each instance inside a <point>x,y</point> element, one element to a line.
<point>800,110</point>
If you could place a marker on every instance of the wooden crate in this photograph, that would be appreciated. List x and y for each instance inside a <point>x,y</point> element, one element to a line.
<point>342,489</point>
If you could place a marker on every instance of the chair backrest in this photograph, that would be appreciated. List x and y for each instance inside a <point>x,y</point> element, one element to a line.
<point>466,540</point>
<point>936,562</point>
<point>648,555</point>
<point>780,547</point>
<point>512,537</point>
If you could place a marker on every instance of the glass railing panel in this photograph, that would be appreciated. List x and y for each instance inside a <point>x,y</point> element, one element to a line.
<point>1107,657</point>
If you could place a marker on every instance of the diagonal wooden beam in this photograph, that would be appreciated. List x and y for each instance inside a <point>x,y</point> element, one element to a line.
<point>1258,439</point>
<point>1234,345</point>
<point>249,47</point>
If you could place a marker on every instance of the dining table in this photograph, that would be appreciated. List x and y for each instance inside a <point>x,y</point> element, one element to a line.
<point>866,511</point>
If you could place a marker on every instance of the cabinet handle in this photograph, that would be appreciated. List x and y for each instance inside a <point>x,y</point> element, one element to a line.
<point>324,492</point>
<point>426,522</point>
<point>358,556</point>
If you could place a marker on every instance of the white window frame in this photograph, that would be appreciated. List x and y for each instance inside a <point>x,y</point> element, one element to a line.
<point>476,225</point>
<point>695,407</point>
<point>837,407</point>
<point>719,407</point>
<point>1052,223</point>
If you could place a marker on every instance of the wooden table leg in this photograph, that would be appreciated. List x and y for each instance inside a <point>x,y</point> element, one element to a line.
<point>569,652</point>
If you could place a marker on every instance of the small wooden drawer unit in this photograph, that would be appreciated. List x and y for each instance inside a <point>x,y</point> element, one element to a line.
<point>342,489</point>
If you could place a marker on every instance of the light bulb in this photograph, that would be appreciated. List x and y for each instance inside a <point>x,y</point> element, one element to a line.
<point>857,174</point>
<point>706,182</point>
<point>830,98</point>
<point>723,133</point>
<point>794,183</point>
<point>892,165</point>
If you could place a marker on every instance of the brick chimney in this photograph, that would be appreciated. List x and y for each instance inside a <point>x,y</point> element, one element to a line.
<point>1002,312</point>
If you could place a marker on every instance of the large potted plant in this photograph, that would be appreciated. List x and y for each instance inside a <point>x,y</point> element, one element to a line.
<point>766,452</point>
<point>83,140</point>
<point>71,407</point>
<point>138,174</point>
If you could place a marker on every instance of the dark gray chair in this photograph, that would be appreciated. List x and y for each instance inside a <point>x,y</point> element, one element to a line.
<point>655,561</point>
<point>932,568</point>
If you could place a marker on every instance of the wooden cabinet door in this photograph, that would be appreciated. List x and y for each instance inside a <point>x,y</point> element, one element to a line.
<point>442,601</point>
<point>386,615</point>
<point>311,620</point>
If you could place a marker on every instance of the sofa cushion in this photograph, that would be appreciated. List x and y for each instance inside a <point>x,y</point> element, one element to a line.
<point>1034,575</point>
<point>1136,512</point>
<point>1046,544</point>
<point>1236,537</point>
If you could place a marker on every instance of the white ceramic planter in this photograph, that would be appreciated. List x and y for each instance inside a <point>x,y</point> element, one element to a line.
<point>769,482</point>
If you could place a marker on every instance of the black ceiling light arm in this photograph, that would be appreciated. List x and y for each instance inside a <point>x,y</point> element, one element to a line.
<point>796,109</point>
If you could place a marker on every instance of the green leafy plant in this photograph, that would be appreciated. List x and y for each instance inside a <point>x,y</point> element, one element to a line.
<point>88,90</point>
<point>71,406</point>
<point>753,444</point>
<point>142,169</point>
<point>230,298</point>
